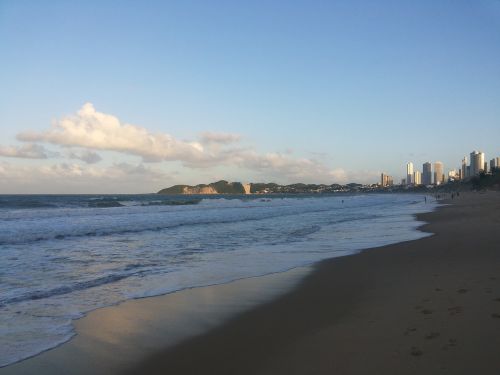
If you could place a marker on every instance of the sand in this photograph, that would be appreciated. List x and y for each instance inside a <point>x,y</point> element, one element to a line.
<point>430,306</point>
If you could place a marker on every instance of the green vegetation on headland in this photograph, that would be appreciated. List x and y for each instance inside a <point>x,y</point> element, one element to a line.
<point>225,187</point>
<point>219,187</point>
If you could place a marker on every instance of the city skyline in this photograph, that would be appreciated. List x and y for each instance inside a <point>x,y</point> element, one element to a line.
<point>435,173</point>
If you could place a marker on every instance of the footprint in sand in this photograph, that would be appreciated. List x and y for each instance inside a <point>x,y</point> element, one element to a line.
<point>416,352</point>
<point>432,335</point>
<point>409,330</point>
<point>455,310</point>
<point>451,343</point>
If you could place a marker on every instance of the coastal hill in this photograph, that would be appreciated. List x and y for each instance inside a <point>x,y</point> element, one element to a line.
<point>225,187</point>
<point>219,187</point>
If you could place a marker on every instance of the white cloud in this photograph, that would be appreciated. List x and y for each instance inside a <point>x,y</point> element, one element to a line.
<point>100,131</point>
<point>91,130</point>
<point>28,151</point>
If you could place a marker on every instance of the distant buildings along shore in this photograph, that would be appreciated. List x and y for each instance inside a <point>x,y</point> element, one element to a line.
<point>433,174</point>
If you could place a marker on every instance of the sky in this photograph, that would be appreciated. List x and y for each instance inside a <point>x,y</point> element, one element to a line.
<point>132,97</point>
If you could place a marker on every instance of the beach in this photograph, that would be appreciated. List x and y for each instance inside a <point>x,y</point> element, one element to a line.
<point>430,306</point>
<point>426,306</point>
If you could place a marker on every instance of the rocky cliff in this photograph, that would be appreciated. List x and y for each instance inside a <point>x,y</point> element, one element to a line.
<point>219,187</point>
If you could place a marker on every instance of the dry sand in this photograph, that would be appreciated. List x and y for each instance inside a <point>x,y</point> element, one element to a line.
<point>430,306</point>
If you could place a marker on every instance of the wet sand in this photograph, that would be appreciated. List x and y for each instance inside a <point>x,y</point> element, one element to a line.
<point>430,306</point>
<point>113,339</point>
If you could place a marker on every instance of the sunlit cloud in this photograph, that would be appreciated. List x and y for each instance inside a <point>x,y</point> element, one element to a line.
<point>90,130</point>
<point>99,131</point>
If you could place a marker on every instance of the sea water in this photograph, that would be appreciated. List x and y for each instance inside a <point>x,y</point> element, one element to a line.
<point>64,255</point>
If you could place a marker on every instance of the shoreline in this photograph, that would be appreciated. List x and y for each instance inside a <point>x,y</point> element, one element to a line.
<point>75,322</point>
<point>425,306</point>
<point>157,360</point>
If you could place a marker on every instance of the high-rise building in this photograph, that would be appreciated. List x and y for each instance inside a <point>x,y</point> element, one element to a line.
<point>409,173</point>
<point>386,180</point>
<point>476,163</point>
<point>417,178</point>
<point>427,173</point>
<point>464,168</point>
<point>494,163</point>
<point>438,173</point>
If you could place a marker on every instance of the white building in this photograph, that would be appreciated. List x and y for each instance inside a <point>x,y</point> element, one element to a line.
<point>438,173</point>
<point>476,163</point>
<point>464,168</point>
<point>417,178</point>
<point>494,163</point>
<point>386,180</point>
<point>409,173</point>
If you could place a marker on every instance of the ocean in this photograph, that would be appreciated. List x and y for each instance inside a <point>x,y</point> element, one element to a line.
<point>62,256</point>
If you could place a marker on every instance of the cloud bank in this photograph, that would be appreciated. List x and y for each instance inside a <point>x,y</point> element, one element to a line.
<point>77,178</point>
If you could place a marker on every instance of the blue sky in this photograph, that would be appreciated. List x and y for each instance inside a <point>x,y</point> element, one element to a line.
<point>287,91</point>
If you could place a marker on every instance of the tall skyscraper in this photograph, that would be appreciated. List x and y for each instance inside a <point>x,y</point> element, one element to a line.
<point>409,173</point>
<point>476,163</point>
<point>386,180</point>
<point>438,173</point>
<point>427,173</point>
<point>464,168</point>
<point>417,178</point>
